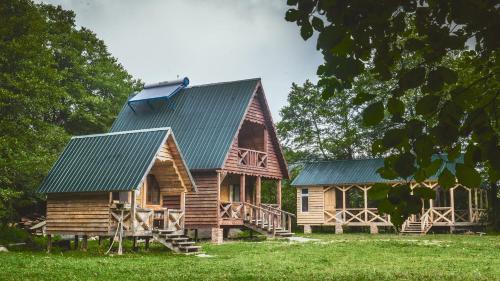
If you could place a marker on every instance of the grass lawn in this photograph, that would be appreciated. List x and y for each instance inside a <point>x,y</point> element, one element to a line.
<point>333,257</point>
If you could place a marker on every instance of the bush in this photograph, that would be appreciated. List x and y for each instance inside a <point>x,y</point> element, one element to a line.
<point>13,235</point>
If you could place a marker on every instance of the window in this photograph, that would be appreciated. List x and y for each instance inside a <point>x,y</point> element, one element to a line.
<point>304,196</point>
<point>153,191</point>
<point>121,196</point>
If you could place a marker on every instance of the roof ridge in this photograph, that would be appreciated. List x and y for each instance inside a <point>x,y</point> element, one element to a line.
<point>123,132</point>
<point>225,82</point>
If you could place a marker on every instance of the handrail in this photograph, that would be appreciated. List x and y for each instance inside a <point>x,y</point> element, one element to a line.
<point>278,210</point>
<point>252,158</point>
<point>271,218</point>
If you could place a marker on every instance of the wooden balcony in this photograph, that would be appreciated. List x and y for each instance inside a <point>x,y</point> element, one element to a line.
<point>252,158</point>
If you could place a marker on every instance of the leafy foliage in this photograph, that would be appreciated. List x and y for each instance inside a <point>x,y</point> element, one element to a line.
<point>315,128</point>
<point>453,78</point>
<point>56,80</point>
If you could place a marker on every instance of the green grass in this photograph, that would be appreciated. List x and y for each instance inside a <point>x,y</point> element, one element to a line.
<point>334,257</point>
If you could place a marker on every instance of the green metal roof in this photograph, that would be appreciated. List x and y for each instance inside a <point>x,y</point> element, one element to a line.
<point>105,162</point>
<point>358,171</point>
<point>205,119</point>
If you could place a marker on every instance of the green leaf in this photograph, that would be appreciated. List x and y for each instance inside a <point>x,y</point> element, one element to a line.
<point>449,76</point>
<point>454,152</point>
<point>378,191</point>
<point>394,138</point>
<point>468,176</point>
<point>424,146</point>
<point>412,78</point>
<point>427,105</point>
<point>446,179</point>
<point>385,207</point>
<point>413,44</point>
<point>292,15</point>
<point>420,175</point>
<point>306,31</point>
<point>405,165</point>
<point>373,114</point>
<point>424,192</point>
<point>396,106</point>
<point>317,23</point>
<point>434,167</point>
<point>387,173</point>
<point>362,97</point>
<point>378,147</point>
<point>414,128</point>
<point>292,2</point>
<point>344,47</point>
<point>472,155</point>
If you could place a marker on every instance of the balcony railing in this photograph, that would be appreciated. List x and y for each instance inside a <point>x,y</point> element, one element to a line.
<point>252,158</point>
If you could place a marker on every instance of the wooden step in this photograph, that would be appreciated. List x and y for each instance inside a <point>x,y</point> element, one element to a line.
<point>178,239</point>
<point>190,248</point>
<point>184,243</point>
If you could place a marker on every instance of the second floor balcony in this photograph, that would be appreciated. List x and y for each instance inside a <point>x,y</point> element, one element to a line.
<point>252,158</point>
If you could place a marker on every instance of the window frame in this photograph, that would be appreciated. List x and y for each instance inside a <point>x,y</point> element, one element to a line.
<point>304,196</point>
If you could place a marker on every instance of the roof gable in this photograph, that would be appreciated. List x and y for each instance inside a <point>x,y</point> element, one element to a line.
<point>358,171</point>
<point>205,119</point>
<point>106,162</point>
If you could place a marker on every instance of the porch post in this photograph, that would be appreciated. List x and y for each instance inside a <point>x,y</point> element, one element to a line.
<point>470,205</point>
<point>242,188</point>
<point>257,191</point>
<point>452,204</point>
<point>343,205</point>
<point>365,197</point>
<point>278,194</point>
<point>132,211</point>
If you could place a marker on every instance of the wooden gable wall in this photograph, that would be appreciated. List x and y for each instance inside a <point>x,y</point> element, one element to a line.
<point>276,167</point>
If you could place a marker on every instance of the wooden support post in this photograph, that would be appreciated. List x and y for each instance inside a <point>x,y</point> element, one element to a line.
<point>99,241</point>
<point>475,199</point>
<point>470,205</point>
<point>49,243</point>
<point>196,235</point>
<point>84,243</point>
<point>258,184</point>
<point>134,244</point>
<point>278,193</point>
<point>365,197</point>
<point>111,238</point>
<point>343,204</point>
<point>242,188</point>
<point>452,204</point>
<point>147,244</point>
<point>132,211</point>
<point>76,242</point>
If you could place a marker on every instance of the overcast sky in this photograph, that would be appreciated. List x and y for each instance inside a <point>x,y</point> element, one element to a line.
<point>208,41</point>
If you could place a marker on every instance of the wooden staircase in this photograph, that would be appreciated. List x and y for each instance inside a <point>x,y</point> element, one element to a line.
<point>176,242</point>
<point>269,221</point>
<point>420,227</point>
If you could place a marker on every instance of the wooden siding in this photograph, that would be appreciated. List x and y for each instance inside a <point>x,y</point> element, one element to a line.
<point>171,201</point>
<point>315,215</point>
<point>78,213</point>
<point>275,169</point>
<point>202,206</point>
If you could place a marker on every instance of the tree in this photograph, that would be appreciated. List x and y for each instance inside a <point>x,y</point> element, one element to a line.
<point>456,108</point>
<point>56,80</point>
<point>322,129</point>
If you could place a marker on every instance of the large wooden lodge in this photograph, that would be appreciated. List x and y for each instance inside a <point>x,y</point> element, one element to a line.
<point>335,193</point>
<point>208,177</point>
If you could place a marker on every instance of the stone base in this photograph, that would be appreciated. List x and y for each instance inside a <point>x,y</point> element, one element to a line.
<point>339,229</point>
<point>307,229</point>
<point>373,229</point>
<point>217,236</point>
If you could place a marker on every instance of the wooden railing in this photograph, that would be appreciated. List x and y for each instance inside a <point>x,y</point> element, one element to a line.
<point>252,158</point>
<point>142,223</point>
<point>230,210</point>
<point>267,217</point>
<point>441,215</point>
<point>426,221</point>
<point>355,215</point>
<point>173,219</point>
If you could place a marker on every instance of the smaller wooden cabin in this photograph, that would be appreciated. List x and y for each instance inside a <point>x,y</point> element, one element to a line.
<point>335,193</point>
<point>137,178</point>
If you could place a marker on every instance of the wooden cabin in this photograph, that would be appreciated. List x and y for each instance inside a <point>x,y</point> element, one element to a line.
<point>130,183</point>
<point>229,142</point>
<point>335,193</point>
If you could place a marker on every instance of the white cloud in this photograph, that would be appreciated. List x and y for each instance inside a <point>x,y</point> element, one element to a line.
<point>208,41</point>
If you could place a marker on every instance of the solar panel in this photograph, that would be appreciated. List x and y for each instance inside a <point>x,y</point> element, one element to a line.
<point>163,90</point>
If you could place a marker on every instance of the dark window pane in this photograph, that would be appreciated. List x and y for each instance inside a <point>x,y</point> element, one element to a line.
<point>153,191</point>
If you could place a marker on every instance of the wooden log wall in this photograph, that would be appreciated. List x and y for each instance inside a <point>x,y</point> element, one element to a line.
<point>315,215</point>
<point>275,167</point>
<point>78,213</point>
<point>202,206</point>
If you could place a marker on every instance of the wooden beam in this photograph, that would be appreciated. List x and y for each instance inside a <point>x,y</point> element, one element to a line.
<point>76,242</point>
<point>452,204</point>
<point>258,183</point>
<point>278,193</point>
<point>84,243</point>
<point>242,188</point>
<point>49,243</point>
<point>470,205</point>
<point>365,197</point>
<point>133,210</point>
